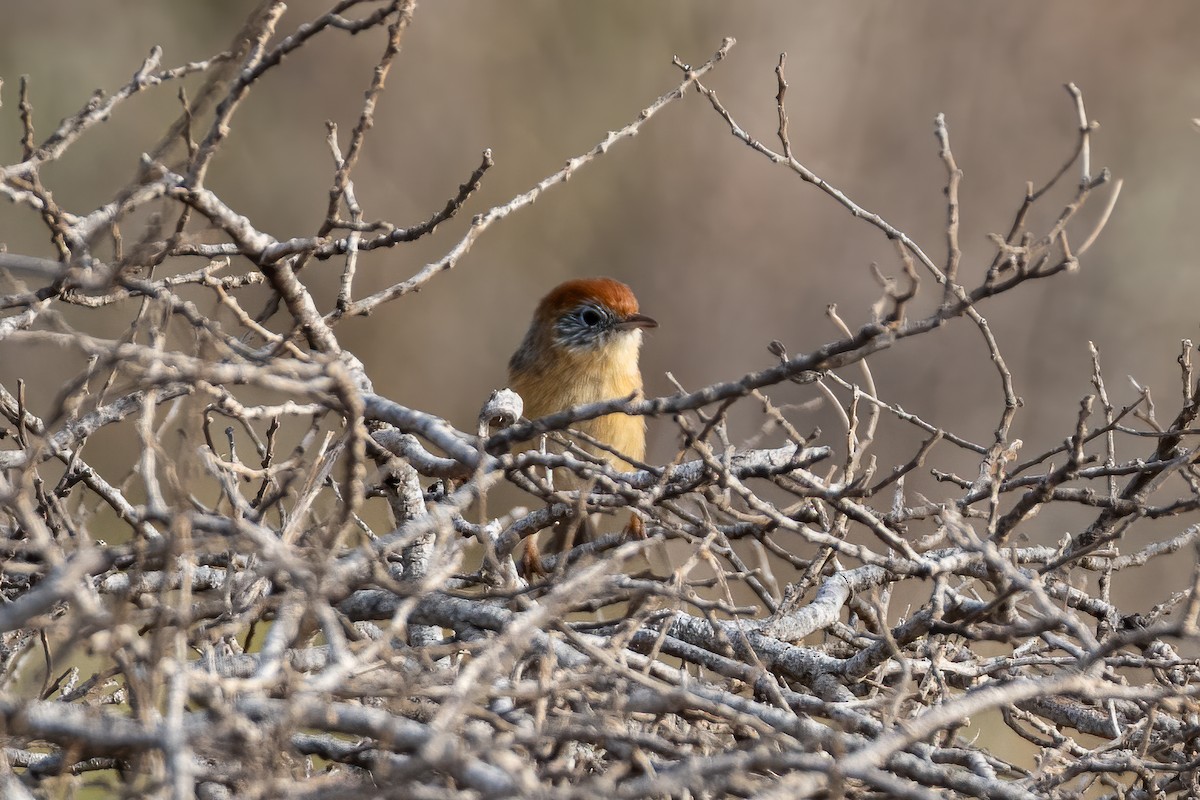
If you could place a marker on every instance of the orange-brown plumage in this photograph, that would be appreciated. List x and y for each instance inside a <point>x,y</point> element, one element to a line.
<point>606,291</point>
<point>581,347</point>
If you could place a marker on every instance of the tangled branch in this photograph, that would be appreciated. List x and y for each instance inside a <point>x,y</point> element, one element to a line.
<point>207,619</point>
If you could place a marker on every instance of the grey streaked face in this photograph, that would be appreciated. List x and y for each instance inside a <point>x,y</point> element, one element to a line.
<point>588,325</point>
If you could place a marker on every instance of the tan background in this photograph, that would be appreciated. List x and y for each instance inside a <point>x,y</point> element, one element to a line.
<point>725,250</point>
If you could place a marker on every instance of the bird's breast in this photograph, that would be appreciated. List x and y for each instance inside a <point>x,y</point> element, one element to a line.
<point>574,378</point>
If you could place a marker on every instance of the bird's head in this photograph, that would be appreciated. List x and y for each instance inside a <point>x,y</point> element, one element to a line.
<point>584,319</point>
<point>590,313</point>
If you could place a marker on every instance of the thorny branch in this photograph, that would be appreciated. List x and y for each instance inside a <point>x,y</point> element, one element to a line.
<point>239,614</point>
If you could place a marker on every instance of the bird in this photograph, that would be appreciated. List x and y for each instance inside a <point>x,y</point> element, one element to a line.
<point>582,346</point>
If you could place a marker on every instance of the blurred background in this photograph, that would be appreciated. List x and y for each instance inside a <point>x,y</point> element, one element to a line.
<point>726,250</point>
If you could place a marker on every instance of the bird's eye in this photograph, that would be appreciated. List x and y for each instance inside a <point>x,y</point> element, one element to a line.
<point>591,317</point>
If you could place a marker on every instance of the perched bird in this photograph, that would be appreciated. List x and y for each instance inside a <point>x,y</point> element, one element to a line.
<point>582,347</point>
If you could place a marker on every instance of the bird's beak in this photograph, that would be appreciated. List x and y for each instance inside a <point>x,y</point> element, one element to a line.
<point>636,321</point>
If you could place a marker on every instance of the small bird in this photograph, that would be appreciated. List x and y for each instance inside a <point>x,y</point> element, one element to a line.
<point>582,347</point>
